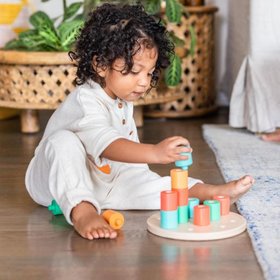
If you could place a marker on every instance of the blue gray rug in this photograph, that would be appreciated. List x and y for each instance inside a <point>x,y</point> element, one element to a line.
<point>240,152</point>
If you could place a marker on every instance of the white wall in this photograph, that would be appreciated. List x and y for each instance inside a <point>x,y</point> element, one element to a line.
<point>221,37</point>
<point>53,8</point>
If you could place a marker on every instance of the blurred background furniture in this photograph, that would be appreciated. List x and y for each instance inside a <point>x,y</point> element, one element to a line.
<point>253,66</point>
<point>198,80</point>
<point>33,81</point>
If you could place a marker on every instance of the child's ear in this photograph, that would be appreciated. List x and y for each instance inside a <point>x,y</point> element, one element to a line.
<point>101,71</point>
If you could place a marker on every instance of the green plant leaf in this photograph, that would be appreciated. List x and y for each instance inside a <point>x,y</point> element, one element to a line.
<point>68,32</point>
<point>50,36</point>
<point>27,33</point>
<point>45,1</point>
<point>31,39</point>
<point>176,40</point>
<point>72,10</point>
<point>79,17</point>
<point>152,7</point>
<point>172,74</point>
<point>39,19</point>
<point>14,44</point>
<point>173,11</point>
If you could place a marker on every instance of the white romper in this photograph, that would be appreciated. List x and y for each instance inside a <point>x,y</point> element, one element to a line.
<point>66,161</point>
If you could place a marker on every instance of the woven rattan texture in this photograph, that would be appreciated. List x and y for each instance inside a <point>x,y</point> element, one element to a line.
<point>35,86</point>
<point>198,70</point>
<point>46,86</point>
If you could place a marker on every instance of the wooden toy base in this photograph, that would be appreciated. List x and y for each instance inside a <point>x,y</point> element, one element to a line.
<point>229,225</point>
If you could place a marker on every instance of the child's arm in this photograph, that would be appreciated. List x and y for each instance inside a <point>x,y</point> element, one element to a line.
<point>166,151</point>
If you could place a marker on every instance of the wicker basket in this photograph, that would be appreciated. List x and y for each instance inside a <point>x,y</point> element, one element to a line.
<point>42,80</point>
<point>198,71</point>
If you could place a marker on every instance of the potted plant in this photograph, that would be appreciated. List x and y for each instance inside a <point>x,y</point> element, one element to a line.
<point>36,72</point>
<point>50,34</point>
<point>170,11</point>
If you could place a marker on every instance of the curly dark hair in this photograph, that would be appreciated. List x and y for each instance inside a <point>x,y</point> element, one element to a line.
<point>118,31</point>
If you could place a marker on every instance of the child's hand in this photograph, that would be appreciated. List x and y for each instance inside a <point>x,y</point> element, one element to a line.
<point>170,149</point>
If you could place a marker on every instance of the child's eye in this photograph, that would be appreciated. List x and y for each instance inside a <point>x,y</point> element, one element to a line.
<point>134,72</point>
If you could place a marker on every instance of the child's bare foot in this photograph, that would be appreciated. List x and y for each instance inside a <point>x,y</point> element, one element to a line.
<point>233,189</point>
<point>272,137</point>
<point>89,224</point>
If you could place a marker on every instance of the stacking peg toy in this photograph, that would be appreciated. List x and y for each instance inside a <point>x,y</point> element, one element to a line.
<point>179,179</point>
<point>179,183</point>
<point>184,218</point>
<point>182,206</point>
<point>201,215</point>
<point>225,203</point>
<point>184,164</point>
<point>169,209</point>
<point>54,208</point>
<point>215,209</point>
<point>192,202</point>
<point>113,218</point>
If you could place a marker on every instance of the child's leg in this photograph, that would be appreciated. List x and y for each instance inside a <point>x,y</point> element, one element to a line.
<point>60,171</point>
<point>234,189</point>
<point>138,188</point>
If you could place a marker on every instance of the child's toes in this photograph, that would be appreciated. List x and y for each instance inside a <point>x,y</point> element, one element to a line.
<point>95,234</point>
<point>101,233</point>
<point>89,236</point>
<point>247,180</point>
<point>113,234</point>
<point>106,233</point>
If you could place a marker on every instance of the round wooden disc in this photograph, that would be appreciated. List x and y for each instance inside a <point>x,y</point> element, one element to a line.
<point>228,226</point>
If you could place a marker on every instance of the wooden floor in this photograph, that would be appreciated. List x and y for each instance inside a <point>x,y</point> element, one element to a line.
<point>35,245</point>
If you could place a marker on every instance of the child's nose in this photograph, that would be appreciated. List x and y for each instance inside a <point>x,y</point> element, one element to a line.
<point>144,81</point>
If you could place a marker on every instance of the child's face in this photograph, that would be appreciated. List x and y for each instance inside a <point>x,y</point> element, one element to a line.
<point>133,85</point>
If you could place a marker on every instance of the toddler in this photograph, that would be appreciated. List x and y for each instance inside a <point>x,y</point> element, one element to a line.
<point>90,157</point>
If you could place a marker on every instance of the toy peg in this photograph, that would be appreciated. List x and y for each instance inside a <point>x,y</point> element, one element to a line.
<point>114,219</point>
<point>54,208</point>
<point>184,164</point>
<point>215,209</point>
<point>225,203</point>
<point>201,215</point>
<point>169,200</point>
<point>192,202</point>
<point>169,209</point>
<point>179,179</point>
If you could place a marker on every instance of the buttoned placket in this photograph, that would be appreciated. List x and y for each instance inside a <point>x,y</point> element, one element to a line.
<point>120,107</point>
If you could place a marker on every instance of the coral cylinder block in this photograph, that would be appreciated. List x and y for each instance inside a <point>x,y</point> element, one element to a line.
<point>201,215</point>
<point>183,196</point>
<point>225,203</point>
<point>179,179</point>
<point>169,200</point>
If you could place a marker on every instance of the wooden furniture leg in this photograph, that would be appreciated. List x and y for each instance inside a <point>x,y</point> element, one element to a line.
<point>29,121</point>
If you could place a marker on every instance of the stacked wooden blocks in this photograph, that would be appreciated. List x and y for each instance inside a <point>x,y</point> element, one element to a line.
<point>177,208</point>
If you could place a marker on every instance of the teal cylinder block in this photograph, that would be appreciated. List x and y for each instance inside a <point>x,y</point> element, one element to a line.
<point>215,209</point>
<point>169,219</point>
